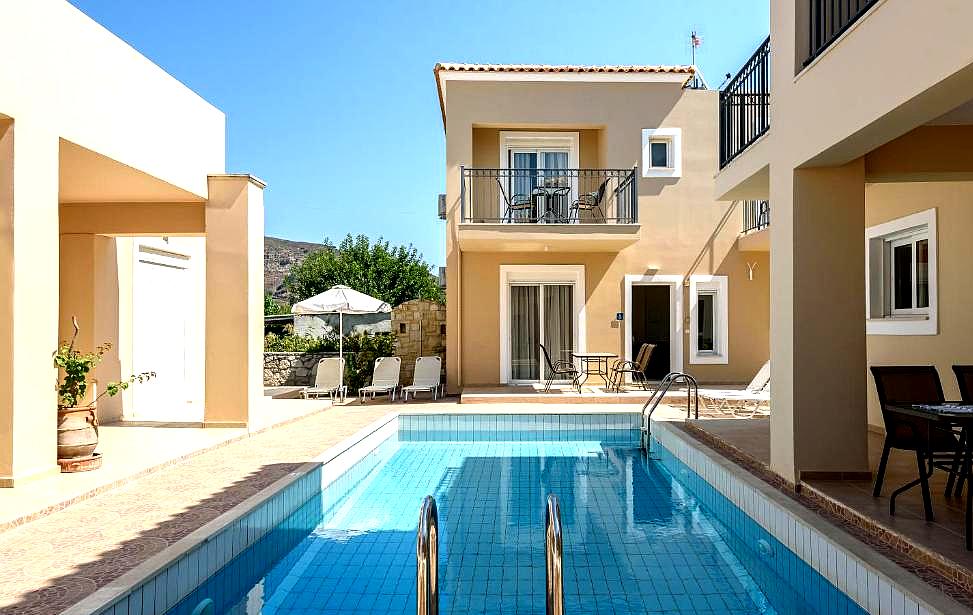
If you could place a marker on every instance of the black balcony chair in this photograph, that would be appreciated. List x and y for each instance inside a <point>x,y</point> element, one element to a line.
<point>635,368</point>
<point>515,204</point>
<point>934,446</point>
<point>558,368</point>
<point>591,203</point>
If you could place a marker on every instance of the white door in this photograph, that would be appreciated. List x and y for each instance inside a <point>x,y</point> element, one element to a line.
<point>162,297</point>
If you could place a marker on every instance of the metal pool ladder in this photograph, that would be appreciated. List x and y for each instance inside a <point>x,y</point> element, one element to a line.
<point>554,555</point>
<point>427,559</point>
<point>692,394</point>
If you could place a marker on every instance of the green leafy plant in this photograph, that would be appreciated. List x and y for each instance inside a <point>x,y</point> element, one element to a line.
<point>361,350</point>
<point>273,307</point>
<point>76,365</point>
<point>394,274</point>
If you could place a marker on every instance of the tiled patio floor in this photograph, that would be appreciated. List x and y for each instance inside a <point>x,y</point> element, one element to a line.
<point>133,448</point>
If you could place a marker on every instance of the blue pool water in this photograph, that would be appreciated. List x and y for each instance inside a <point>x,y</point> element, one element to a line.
<point>636,540</point>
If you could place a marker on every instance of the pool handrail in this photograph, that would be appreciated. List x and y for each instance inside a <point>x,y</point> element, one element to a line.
<point>554,554</point>
<point>692,393</point>
<point>427,559</point>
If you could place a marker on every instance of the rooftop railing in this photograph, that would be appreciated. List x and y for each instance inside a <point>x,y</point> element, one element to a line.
<point>549,196</point>
<point>745,105</point>
<point>829,19</point>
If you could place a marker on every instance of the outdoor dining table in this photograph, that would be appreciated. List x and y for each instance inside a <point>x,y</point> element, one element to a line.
<point>950,414</point>
<point>600,362</point>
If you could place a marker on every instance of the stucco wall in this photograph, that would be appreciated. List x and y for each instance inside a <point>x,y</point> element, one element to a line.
<point>954,343</point>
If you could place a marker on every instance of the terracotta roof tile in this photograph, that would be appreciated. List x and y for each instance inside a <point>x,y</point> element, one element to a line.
<point>560,68</point>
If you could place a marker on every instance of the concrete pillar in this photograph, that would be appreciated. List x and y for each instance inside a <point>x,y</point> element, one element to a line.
<point>28,301</point>
<point>819,418</point>
<point>234,299</point>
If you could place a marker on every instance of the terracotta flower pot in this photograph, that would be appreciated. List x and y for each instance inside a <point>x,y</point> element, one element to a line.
<point>77,432</point>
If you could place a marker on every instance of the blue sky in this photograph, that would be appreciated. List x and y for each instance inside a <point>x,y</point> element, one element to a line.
<point>334,103</point>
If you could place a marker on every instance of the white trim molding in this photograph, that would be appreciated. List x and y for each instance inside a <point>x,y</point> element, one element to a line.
<point>719,286</point>
<point>674,282</point>
<point>878,318</point>
<point>565,274</point>
<point>673,136</point>
<point>518,139</point>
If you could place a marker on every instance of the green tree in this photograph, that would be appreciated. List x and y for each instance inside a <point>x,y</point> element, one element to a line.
<point>272,307</point>
<point>393,274</point>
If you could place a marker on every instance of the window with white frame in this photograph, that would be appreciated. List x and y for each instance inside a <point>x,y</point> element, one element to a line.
<point>709,319</point>
<point>661,152</point>
<point>900,261</point>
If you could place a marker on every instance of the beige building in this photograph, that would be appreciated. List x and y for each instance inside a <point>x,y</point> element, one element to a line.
<point>861,142</point>
<point>581,217</point>
<point>115,208</point>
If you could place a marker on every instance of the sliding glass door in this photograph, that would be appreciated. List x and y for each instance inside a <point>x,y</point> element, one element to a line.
<point>540,314</point>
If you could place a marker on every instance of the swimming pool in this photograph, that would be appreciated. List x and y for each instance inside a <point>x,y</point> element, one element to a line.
<point>640,535</point>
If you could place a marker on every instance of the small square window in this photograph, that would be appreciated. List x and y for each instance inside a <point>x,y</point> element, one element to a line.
<point>659,154</point>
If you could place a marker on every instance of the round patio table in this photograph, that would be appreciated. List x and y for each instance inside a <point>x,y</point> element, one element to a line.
<point>588,359</point>
<point>555,207</point>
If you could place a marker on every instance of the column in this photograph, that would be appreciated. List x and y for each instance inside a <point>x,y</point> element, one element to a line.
<point>234,300</point>
<point>818,363</point>
<point>28,301</point>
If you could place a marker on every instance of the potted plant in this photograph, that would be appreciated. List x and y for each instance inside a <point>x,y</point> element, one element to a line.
<point>77,423</point>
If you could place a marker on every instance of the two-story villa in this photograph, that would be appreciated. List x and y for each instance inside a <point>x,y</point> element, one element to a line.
<point>581,217</point>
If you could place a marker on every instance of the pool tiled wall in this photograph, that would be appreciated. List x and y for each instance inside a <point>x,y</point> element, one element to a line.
<point>480,427</point>
<point>782,523</point>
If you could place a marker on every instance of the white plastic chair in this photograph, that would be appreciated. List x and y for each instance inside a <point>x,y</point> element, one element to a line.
<point>752,400</point>
<point>385,379</point>
<point>328,380</point>
<point>426,378</point>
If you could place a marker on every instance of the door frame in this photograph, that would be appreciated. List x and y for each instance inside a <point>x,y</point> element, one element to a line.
<point>540,274</point>
<point>675,284</point>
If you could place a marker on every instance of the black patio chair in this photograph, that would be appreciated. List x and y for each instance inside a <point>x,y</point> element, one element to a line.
<point>634,368</point>
<point>591,202</point>
<point>558,368</point>
<point>934,446</point>
<point>515,204</point>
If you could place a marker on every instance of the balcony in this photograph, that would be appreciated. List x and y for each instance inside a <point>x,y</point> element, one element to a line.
<point>745,105</point>
<point>829,19</point>
<point>548,209</point>
<point>756,222</point>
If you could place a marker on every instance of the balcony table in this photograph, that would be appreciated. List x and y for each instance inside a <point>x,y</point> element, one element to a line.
<point>555,205</point>
<point>600,361</point>
<point>951,414</point>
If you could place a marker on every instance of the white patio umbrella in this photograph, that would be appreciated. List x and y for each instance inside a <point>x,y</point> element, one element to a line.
<point>341,300</point>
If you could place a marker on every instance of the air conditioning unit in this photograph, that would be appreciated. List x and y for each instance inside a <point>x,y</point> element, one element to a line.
<point>442,206</point>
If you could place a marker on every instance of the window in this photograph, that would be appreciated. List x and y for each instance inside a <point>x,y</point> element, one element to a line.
<point>708,319</point>
<point>661,152</point>
<point>900,261</point>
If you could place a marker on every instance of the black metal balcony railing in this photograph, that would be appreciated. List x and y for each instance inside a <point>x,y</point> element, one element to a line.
<point>551,196</point>
<point>756,216</point>
<point>828,19</point>
<point>745,105</point>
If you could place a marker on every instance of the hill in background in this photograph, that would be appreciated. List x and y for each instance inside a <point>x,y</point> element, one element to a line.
<point>279,256</point>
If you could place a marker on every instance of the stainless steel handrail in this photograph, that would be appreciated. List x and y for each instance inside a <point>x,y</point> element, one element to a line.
<point>554,552</point>
<point>427,559</point>
<point>692,392</point>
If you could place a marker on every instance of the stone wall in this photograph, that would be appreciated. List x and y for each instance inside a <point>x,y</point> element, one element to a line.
<point>419,327</point>
<point>292,368</point>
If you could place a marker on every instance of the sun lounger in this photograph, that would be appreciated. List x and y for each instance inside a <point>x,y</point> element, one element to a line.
<point>426,378</point>
<point>328,380</point>
<point>385,379</point>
